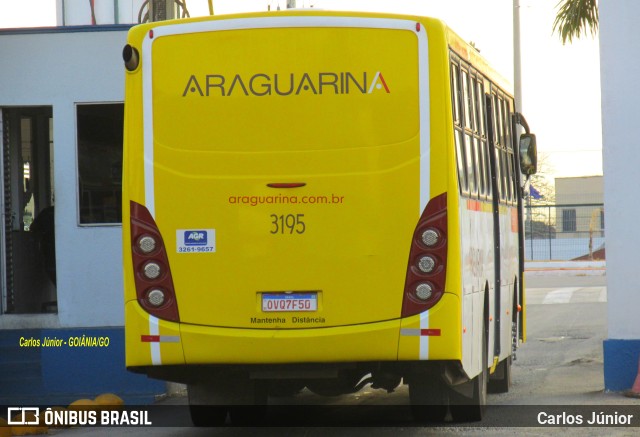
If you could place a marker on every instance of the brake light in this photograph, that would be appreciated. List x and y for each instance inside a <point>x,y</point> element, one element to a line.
<point>286,184</point>
<point>427,269</point>
<point>154,284</point>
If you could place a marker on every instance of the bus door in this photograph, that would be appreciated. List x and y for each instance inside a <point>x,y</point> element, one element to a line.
<point>495,189</point>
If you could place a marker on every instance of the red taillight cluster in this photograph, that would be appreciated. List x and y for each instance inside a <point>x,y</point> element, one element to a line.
<point>154,284</point>
<point>427,268</point>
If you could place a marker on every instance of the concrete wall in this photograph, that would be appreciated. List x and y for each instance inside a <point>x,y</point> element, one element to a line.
<point>60,69</point>
<point>620,72</point>
<point>584,189</point>
<point>575,191</point>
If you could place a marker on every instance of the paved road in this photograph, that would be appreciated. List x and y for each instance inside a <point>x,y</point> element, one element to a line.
<point>561,364</point>
<point>554,295</point>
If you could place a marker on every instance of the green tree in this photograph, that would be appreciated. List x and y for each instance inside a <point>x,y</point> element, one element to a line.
<point>575,18</point>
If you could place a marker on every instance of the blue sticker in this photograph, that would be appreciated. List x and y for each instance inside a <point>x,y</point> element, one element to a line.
<point>196,240</point>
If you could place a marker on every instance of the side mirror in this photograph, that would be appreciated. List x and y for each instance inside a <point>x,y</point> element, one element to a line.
<point>528,154</point>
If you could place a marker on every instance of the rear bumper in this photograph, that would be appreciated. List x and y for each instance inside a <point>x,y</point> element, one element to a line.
<point>369,342</point>
<point>429,336</point>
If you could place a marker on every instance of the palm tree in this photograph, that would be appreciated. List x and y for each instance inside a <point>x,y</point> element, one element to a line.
<point>576,17</point>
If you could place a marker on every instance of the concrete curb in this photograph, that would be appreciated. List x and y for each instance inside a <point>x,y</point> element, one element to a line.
<point>569,268</point>
<point>565,265</point>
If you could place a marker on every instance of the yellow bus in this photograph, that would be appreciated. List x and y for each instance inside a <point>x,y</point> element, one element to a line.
<point>322,200</point>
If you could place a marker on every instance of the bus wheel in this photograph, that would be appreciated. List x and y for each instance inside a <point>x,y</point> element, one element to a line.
<point>208,415</point>
<point>204,407</point>
<point>465,409</point>
<point>243,399</point>
<point>247,415</point>
<point>253,409</point>
<point>428,399</point>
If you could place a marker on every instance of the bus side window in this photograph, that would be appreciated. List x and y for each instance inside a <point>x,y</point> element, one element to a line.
<point>468,137</point>
<point>484,140</point>
<point>456,98</point>
<point>510,153</point>
<point>505,152</point>
<point>477,133</point>
<point>497,146</point>
<point>481,107</point>
<point>504,190</point>
<point>455,89</point>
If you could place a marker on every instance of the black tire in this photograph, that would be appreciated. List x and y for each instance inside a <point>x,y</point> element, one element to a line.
<point>464,409</point>
<point>208,415</point>
<point>253,413</point>
<point>247,415</point>
<point>244,400</point>
<point>428,399</point>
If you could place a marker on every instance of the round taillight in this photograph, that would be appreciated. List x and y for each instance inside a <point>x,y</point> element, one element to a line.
<point>430,237</point>
<point>156,297</point>
<point>147,244</point>
<point>426,264</point>
<point>152,270</point>
<point>424,291</point>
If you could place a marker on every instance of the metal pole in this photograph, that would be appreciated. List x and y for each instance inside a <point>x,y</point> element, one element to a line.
<point>531,236</point>
<point>517,61</point>
<point>116,12</point>
<point>549,232</point>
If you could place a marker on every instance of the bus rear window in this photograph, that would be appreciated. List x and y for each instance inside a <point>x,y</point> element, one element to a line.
<point>281,90</point>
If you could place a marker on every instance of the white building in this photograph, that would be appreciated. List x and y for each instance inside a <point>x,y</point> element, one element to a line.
<point>580,213</point>
<point>61,93</point>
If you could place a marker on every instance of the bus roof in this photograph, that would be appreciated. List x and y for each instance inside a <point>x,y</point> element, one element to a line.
<point>472,55</point>
<point>461,47</point>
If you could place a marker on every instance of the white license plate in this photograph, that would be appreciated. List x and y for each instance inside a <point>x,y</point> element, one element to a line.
<point>282,302</point>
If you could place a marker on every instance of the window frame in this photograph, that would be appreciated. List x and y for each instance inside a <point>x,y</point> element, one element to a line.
<point>566,220</point>
<point>469,90</point>
<point>457,101</point>
<point>79,222</point>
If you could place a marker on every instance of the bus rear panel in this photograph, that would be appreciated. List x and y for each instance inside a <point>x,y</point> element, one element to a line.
<point>291,204</point>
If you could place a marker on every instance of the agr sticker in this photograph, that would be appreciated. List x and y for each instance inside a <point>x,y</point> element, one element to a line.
<point>196,240</point>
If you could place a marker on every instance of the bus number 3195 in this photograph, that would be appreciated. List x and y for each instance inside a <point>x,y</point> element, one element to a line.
<point>287,223</point>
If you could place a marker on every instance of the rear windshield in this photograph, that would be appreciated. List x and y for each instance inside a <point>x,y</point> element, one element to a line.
<point>284,89</point>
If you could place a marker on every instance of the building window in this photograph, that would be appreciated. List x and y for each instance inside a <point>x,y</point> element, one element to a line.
<point>568,220</point>
<point>100,162</point>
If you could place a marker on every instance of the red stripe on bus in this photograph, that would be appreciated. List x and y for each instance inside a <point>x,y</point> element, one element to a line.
<point>150,338</point>
<point>430,332</point>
